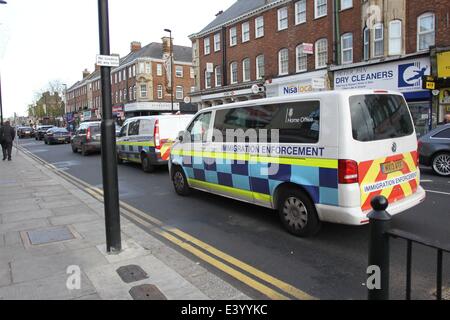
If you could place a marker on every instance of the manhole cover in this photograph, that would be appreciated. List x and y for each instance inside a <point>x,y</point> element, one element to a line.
<point>147,292</point>
<point>132,273</point>
<point>44,236</point>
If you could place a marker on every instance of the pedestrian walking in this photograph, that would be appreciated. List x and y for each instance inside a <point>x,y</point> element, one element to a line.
<point>7,136</point>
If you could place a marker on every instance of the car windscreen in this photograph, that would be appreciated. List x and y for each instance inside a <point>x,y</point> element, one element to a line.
<point>379,117</point>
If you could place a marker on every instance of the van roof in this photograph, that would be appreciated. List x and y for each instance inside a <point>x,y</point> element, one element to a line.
<point>160,117</point>
<point>304,96</point>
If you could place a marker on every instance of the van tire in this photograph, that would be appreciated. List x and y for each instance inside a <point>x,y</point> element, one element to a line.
<point>180,182</point>
<point>441,163</point>
<point>119,159</point>
<point>298,214</point>
<point>74,149</point>
<point>146,166</point>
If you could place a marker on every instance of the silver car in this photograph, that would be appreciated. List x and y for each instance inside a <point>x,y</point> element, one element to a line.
<point>434,150</point>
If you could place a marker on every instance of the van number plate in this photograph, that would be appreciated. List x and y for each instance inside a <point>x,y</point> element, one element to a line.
<point>391,167</point>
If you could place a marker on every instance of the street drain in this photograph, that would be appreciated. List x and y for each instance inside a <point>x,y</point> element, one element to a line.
<point>147,292</point>
<point>51,235</point>
<point>132,273</point>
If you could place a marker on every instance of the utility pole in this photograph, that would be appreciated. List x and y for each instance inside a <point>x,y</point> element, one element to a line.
<point>171,66</point>
<point>109,152</point>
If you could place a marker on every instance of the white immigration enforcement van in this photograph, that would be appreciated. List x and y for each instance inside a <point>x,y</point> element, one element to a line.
<point>148,140</point>
<point>334,153</point>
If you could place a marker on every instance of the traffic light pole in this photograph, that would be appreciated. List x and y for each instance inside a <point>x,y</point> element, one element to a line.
<point>109,153</point>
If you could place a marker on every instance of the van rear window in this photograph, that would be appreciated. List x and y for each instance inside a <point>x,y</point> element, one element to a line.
<point>380,117</point>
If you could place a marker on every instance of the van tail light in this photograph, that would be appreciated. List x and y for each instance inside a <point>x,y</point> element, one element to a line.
<point>88,135</point>
<point>348,172</point>
<point>156,136</point>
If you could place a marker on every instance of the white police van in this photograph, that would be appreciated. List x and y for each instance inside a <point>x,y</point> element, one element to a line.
<point>317,157</point>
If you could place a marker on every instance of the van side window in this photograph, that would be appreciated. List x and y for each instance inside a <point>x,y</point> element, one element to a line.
<point>133,128</point>
<point>199,127</point>
<point>123,131</point>
<point>444,134</point>
<point>146,128</point>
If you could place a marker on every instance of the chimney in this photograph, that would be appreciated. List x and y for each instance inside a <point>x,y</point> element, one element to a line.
<point>86,73</point>
<point>166,45</point>
<point>135,46</point>
<point>219,13</point>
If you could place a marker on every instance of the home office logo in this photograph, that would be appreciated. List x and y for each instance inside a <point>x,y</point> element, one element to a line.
<point>411,74</point>
<point>293,120</point>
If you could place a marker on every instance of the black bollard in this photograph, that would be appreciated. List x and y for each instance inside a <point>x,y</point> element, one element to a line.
<point>380,222</point>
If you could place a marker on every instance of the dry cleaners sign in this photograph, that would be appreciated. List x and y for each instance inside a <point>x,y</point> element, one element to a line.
<point>403,76</point>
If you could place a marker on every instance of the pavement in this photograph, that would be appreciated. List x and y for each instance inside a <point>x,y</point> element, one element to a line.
<point>52,247</point>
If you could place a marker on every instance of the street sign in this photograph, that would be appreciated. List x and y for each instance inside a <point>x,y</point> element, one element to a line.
<point>108,61</point>
<point>318,83</point>
<point>429,83</point>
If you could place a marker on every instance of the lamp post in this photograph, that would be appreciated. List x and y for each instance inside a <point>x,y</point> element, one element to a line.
<point>1,104</point>
<point>171,67</point>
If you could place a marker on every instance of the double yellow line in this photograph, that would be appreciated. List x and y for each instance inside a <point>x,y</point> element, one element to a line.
<point>258,280</point>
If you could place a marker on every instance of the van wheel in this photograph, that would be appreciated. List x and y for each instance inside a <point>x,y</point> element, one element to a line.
<point>119,159</point>
<point>180,182</point>
<point>298,214</point>
<point>441,164</point>
<point>146,166</point>
<point>74,149</point>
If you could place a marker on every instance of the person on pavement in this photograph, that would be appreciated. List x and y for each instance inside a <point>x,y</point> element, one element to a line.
<point>7,135</point>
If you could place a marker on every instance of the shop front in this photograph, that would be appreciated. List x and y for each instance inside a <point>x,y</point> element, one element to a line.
<point>443,63</point>
<point>404,76</point>
<point>298,84</point>
<point>139,109</point>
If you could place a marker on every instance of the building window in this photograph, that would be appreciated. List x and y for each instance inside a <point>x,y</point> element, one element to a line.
<point>395,38</point>
<point>117,97</point>
<point>217,42</point>
<point>259,27</point>
<point>115,78</point>
<point>130,93</point>
<point>192,73</point>
<point>321,53</point>
<point>124,74</point>
<point>179,71</point>
<point>246,70</point>
<point>159,70</point>
<point>124,94</point>
<point>233,36</point>
<point>260,72</point>
<point>134,92</point>
<point>193,89</point>
<point>426,31</point>
<point>218,72</point>
<point>300,12</point>
<point>179,93</point>
<point>120,76</point>
<point>120,95</point>
<point>141,68</point>
<point>347,48</point>
<point>378,40</point>
<point>207,79</point>
<point>134,70</point>
<point>346,4</point>
<point>283,62</point>
<point>160,91</point>
<point>320,8</point>
<point>148,68</point>
<point>366,40</point>
<point>207,44</point>
<point>245,32</point>
<point>143,91</point>
<point>234,72</point>
<point>302,59</point>
<point>283,18</point>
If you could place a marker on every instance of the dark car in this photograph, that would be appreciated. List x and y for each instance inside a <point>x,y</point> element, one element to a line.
<point>24,132</point>
<point>434,150</point>
<point>41,131</point>
<point>57,136</point>
<point>87,138</point>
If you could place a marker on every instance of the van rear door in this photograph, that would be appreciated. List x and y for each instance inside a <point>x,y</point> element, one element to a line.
<point>386,147</point>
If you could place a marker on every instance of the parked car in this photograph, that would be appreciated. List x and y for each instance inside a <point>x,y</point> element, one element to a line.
<point>57,136</point>
<point>87,138</point>
<point>41,131</point>
<point>434,150</point>
<point>24,132</point>
<point>147,140</point>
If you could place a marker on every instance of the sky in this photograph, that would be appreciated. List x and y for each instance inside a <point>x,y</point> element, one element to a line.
<point>46,40</point>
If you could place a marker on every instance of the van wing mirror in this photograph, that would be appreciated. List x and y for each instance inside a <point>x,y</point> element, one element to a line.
<point>181,136</point>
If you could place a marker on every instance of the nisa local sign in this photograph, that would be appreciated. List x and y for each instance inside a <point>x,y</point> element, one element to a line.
<point>403,76</point>
<point>296,89</point>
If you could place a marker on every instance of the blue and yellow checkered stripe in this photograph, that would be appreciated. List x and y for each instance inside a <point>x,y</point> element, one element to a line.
<point>259,179</point>
<point>135,149</point>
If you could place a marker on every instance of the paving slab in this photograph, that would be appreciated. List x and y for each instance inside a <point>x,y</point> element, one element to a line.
<point>23,216</point>
<point>5,274</point>
<point>23,225</point>
<point>70,219</point>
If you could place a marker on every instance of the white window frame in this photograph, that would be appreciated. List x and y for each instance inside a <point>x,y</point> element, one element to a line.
<point>134,70</point>
<point>319,53</point>
<point>281,12</point>
<point>144,93</point>
<point>300,67</point>
<point>218,76</point>
<point>259,27</point>
<point>397,38</point>
<point>192,72</point>
<point>346,4</point>
<point>233,37</point>
<point>246,76</point>
<point>217,42</point>
<point>421,34</point>
<point>177,73</point>
<point>207,45</point>
<point>344,50</point>
<point>366,44</point>
<point>177,92</point>
<point>141,67</point>
<point>159,70</point>
<point>378,40</point>
<point>207,77</point>
<point>245,32</point>
<point>258,68</point>
<point>317,4</point>
<point>300,12</point>
<point>120,76</point>
<point>283,62</point>
<point>234,66</point>
<point>160,91</point>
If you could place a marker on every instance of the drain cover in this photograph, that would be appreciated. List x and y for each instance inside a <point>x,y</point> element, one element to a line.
<point>44,236</point>
<point>147,292</point>
<point>132,273</point>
